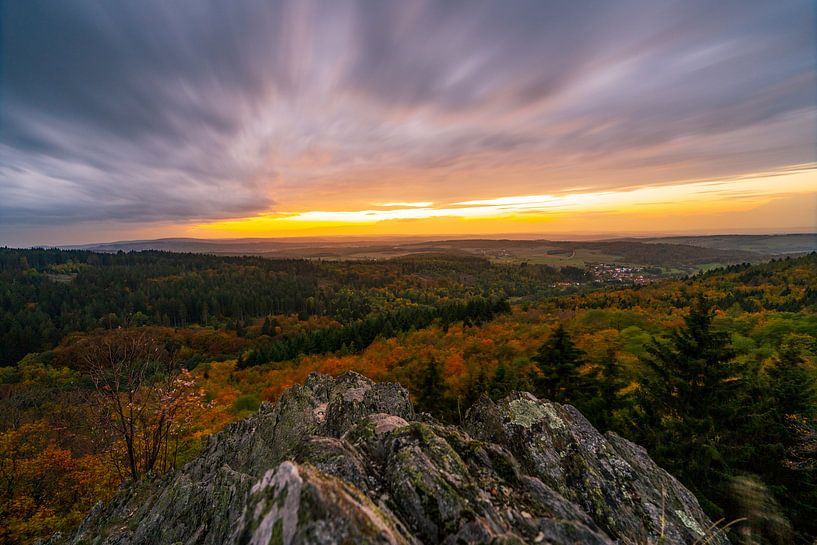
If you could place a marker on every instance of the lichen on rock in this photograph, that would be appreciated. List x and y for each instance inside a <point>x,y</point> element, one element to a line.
<point>345,460</point>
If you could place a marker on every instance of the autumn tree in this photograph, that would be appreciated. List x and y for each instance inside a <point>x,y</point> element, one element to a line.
<point>43,486</point>
<point>269,325</point>
<point>18,400</point>
<point>141,397</point>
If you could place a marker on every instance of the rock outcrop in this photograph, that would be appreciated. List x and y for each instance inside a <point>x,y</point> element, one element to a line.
<point>345,460</point>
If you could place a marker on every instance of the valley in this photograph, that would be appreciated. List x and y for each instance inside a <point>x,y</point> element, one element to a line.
<point>449,327</point>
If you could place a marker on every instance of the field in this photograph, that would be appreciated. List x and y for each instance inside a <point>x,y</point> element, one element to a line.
<point>674,255</point>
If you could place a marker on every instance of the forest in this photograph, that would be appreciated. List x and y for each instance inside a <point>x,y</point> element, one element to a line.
<point>714,374</point>
<point>48,294</point>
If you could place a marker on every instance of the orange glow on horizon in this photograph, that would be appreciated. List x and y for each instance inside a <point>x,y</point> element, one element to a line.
<point>680,205</point>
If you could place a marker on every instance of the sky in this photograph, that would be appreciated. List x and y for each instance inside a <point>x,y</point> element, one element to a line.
<point>132,120</point>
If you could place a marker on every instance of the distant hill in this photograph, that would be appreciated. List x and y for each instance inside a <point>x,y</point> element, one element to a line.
<point>763,244</point>
<point>676,254</point>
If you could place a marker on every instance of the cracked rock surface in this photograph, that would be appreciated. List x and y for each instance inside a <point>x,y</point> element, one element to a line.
<point>345,460</point>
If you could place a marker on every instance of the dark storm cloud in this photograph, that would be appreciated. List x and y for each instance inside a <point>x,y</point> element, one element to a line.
<point>126,110</point>
<point>192,109</point>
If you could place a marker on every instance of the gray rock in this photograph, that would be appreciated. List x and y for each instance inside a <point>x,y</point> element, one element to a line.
<point>346,460</point>
<point>299,505</point>
<point>613,480</point>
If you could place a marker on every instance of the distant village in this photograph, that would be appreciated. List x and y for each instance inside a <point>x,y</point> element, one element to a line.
<point>611,273</point>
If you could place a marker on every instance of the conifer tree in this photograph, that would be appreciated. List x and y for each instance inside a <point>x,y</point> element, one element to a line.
<point>787,455</point>
<point>608,382</point>
<point>688,402</point>
<point>559,361</point>
<point>498,387</point>
<point>432,389</point>
<point>478,386</point>
<point>792,385</point>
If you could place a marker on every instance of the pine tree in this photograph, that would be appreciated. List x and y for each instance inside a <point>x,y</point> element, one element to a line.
<point>388,330</point>
<point>559,361</point>
<point>608,382</point>
<point>498,387</point>
<point>478,386</point>
<point>432,390</point>
<point>792,386</point>
<point>612,382</point>
<point>787,452</point>
<point>688,402</point>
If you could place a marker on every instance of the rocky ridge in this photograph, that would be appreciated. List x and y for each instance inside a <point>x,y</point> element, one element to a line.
<point>345,460</point>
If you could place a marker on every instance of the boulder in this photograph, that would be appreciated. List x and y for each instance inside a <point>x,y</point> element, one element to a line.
<point>346,460</point>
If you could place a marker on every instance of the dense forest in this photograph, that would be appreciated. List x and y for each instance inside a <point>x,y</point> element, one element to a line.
<point>713,374</point>
<point>47,294</point>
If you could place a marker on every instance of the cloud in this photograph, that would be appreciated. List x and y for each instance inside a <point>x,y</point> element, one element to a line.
<point>692,198</point>
<point>199,110</point>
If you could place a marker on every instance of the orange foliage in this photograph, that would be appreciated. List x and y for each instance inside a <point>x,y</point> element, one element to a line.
<point>44,487</point>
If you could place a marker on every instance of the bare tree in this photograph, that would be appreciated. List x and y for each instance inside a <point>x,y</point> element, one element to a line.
<point>19,402</point>
<point>141,396</point>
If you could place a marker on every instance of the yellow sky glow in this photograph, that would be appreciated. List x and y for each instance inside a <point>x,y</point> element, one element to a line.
<point>517,213</point>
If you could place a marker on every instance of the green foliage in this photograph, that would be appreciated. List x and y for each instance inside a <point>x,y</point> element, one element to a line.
<point>783,446</point>
<point>358,335</point>
<point>635,340</point>
<point>507,377</point>
<point>605,404</point>
<point>477,386</point>
<point>38,306</point>
<point>431,390</point>
<point>559,360</point>
<point>687,400</point>
<point>720,391</point>
<point>792,385</point>
<point>246,403</point>
<point>710,420</point>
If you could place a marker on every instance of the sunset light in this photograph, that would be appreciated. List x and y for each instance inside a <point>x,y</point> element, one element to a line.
<point>580,212</point>
<point>338,118</point>
<point>408,272</point>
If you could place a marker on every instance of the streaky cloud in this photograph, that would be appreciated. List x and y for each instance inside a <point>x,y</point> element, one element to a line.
<point>200,111</point>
